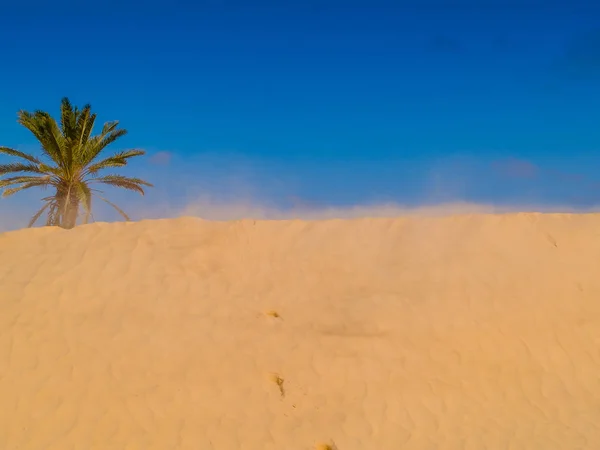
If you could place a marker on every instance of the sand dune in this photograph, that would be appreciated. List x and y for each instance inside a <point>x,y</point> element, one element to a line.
<point>462,332</point>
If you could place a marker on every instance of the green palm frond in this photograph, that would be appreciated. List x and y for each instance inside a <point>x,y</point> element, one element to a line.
<point>132,184</point>
<point>24,179</point>
<point>23,186</point>
<point>99,143</point>
<point>38,214</point>
<point>20,167</point>
<point>117,160</point>
<point>67,117</point>
<point>54,218</point>
<point>58,140</point>
<point>85,125</point>
<point>109,127</point>
<point>56,171</point>
<point>18,154</point>
<point>37,124</point>
<point>119,210</point>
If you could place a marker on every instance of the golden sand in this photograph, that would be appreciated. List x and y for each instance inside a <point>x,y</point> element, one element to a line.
<point>462,332</point>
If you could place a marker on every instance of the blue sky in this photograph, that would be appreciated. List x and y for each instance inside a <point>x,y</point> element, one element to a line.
<point>325,102</point>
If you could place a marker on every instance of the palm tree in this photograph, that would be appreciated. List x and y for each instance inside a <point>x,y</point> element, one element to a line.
<point>70,164</point>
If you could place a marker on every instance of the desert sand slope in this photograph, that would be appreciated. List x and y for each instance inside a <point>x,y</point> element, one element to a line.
<point>465,332</point>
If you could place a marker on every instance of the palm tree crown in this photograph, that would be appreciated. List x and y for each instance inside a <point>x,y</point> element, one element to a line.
<point>70,164</point>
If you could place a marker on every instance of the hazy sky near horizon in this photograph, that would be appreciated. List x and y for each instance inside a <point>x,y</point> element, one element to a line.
<point>324,102</point>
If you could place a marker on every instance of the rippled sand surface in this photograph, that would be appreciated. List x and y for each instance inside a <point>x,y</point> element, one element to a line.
<point>462,332</point>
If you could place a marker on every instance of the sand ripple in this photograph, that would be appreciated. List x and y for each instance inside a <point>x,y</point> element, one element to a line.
<point>466,332</point>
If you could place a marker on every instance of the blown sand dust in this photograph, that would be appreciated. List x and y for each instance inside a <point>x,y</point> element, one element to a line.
<point>460,332</point>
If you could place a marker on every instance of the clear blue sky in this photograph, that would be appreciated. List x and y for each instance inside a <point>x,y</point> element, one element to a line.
<point>333,102</point>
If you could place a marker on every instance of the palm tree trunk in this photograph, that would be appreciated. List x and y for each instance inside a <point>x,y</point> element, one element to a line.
<point>71,213</point>
<point>69,208</point>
